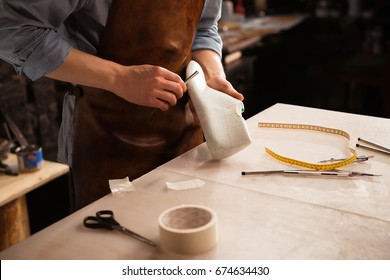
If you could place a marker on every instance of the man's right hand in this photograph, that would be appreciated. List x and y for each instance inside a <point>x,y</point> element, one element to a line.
<point>145,85</point>
<point>149,85</point>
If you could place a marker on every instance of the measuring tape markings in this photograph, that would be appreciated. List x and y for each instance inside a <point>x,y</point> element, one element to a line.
<point>315,166</point>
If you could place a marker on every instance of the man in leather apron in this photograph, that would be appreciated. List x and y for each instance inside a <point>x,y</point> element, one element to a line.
<point>131,112</point>
<point>114,138</point>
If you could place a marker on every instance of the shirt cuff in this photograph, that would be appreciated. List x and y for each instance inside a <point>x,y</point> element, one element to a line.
<point>204,43</point>
<point>208,38</point>
<point>48,55</point>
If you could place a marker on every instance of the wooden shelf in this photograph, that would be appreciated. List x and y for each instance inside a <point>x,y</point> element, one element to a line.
<point>12,187</point>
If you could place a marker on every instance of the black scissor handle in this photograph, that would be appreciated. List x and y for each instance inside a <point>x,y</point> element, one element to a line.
<point>103,219</point>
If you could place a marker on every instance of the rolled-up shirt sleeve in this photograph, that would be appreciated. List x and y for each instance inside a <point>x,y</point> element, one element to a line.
<point>30,40</point>
<point>207,36</point>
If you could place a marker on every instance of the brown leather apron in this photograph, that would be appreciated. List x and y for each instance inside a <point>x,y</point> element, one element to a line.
<point>114,138</point>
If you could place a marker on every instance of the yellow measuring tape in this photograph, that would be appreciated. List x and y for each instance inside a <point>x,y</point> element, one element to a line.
<point>315,166</point>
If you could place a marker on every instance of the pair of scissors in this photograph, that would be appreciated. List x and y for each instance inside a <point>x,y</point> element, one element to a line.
<point>105,219</point>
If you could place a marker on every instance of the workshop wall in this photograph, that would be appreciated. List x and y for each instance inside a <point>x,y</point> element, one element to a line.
<point>35,107</point>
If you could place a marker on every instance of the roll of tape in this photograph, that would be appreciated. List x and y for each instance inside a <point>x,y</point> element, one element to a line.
<point>188,229</point>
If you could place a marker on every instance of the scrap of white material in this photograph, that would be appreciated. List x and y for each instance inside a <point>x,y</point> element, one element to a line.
<point>120,186</point>
<point>185,185</point>
<point>220,116</point>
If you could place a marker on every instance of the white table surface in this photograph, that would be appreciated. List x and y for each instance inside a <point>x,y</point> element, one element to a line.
<point>259,217</point>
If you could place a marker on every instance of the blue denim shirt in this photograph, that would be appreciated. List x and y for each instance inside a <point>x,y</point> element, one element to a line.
<point>36,37</point>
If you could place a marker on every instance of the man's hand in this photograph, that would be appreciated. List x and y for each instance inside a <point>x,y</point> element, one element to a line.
<point>145,85</point>
<point>151,86</point>
<point>214,72</point>
<point>221,84</point>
